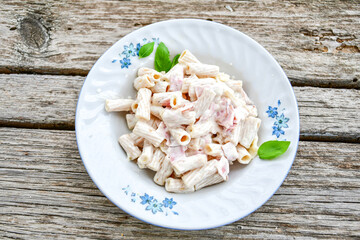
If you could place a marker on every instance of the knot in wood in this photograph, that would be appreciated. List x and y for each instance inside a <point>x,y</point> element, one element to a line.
<point>33,33</point>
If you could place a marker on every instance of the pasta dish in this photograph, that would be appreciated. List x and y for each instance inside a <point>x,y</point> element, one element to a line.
<point>189,124</point>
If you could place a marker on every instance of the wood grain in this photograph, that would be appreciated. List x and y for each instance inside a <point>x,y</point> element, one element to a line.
<point>46,193</point>
<point>49,101</point>
<point>329,114</point>
<point>317,43</point>
<point>39,101</point>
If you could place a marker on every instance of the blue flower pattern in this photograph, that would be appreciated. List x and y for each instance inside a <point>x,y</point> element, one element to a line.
<point>125,63</point>
<point>132,50</point>
<point>169,203</point>
<point>272,112</point>
<point>137,49</point>
<point>152,204</point>
<point>280,120</point>
<point>126,189</point>
<point>146,199</point>
<point>129,50</point>
<point>133,197</point>
<point>277,131</point>
<point>156,40</point>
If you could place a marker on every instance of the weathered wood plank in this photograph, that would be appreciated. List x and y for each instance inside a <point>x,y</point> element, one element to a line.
<point>49,101</point>
<point>46,193</point>
<point>329,114</point>
<point>43,101</point>
<point>317,43</point>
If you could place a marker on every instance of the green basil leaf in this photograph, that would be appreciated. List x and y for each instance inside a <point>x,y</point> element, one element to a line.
<point>162,58</point>
<point>175,60</point>
<point>146,50</point>
<point>273,149</point>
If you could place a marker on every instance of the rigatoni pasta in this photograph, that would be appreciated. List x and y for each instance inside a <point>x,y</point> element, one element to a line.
<point>188,125</point>
<point>143,100</point>
<point>160,87</point>
<point>143,129</point>
<point>128,144</point>
<point>177,186</point>
<point>181,136</point>
<point>202,70</point>
<point>155,162</point>
<point>146,155</point>
<point>164,172</point>
<point>131,120</point>
<point>118,105</point>
<point>143,82</point>
<point>185,164</point>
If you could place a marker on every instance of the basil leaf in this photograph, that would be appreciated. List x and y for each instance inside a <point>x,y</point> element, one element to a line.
<point>273,149</point>
<point>146,50</point>
<point>175,60</point>
<point>162,58</point>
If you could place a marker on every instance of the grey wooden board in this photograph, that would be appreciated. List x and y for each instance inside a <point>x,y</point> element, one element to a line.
<point>45,192</point>
<point>317,43</point>
<point>39,100</point>
<point>49,101</point>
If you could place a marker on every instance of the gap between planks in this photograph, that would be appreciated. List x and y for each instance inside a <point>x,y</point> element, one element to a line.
<point>317,45</point>
<point>295,82</point>
<point>326,114</point>
<point>71,127</point>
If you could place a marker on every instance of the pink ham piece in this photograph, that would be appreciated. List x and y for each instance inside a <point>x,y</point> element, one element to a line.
<point>176,78</point>
<point>230,152</point>
<point>223,167</point>
<point>225,116</point>
<point>177,152</point>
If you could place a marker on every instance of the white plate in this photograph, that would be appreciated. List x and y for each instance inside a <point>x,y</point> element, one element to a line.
<point>133,189</point>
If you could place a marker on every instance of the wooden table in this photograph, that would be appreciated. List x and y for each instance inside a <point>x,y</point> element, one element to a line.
<point>47,49</point>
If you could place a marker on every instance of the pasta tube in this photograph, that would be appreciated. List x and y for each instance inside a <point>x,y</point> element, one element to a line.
<point>118,105</point>
<point>143,100</point>
<point>187,57</point>
<point>214,150</point>
<point>155,163</point>
<point>211,180</point>
<point>143,82</point>
<point>250,129</point>
<point>164,172</point>
<point>203,70</point>
<point>177,186</point>
<point>193,177</point>
<point>146,155</point>
<point>128,145</point>
<point>244,156</point>
<point>142,129</point>
<point>185,164</point>
<point>131,120</point>
<point>181,136</point>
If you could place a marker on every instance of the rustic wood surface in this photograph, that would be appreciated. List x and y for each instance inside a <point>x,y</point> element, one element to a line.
<point>325,114</point>
<point>48,47</point>
<point>46,192</point>
<point>316,42</point>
